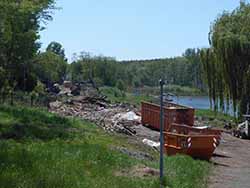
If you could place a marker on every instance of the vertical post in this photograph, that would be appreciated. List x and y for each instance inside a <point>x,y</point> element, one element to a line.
<point>161,134</point>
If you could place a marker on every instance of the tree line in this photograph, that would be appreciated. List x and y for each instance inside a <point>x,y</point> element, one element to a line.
<point>185,70</point>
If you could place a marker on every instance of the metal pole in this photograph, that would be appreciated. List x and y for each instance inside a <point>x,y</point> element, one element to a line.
<point>161,135</point>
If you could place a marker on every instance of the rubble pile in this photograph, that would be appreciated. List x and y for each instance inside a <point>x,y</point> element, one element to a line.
<point>91,105</point>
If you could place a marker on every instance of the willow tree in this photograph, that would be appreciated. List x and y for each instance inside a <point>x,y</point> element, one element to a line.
<point>227,61</point>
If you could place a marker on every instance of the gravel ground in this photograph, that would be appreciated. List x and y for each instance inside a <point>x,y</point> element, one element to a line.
<point>231,164</point>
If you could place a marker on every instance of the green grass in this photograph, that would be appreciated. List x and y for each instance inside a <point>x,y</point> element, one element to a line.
<point>175,89</point>
<point>210,114</point>
<point>42,150</point>
<point>184,90</point>
<point>115,95</point>
<point>216,119</point>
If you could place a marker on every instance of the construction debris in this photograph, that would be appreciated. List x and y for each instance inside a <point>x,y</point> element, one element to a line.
<point>93,106</point>
<point>243,129</point>
<point>152,144</point>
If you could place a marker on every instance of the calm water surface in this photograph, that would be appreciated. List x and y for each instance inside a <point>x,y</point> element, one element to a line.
<point>200,102</point>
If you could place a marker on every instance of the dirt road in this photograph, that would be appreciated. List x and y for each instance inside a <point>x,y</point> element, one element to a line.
<point>231,164</point>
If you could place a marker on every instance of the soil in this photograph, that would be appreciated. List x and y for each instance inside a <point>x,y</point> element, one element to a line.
<point>231,164</point>
<point>139,171</point>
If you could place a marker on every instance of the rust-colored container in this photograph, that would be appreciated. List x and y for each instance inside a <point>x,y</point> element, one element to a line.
<point>187,130</point>
<point>196,142</point>
<point>197,146</point>
<point>173,113</point>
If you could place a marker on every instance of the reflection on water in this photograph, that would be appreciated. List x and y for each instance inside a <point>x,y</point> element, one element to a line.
<point>197,102</point>
<point>200,102</point>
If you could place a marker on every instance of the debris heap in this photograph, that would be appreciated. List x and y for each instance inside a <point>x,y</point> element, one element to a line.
<point>93,106</point>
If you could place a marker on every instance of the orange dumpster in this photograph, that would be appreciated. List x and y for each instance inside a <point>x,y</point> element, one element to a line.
<point>173,113</point>
<point>198,143</point>
<point>187,130</point>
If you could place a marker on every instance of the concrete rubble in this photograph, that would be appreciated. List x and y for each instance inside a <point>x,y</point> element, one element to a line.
<point>152,144</point>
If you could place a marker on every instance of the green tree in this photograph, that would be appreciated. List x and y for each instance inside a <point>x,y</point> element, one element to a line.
<point>56,48</point>
<point>120,85</point>
<point>2,77</point>
<point>184,70</point>
<point>226,63</point>
<point>20,24</point>
<point>50,68</point>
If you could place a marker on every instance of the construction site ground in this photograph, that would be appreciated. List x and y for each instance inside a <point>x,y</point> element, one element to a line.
<point>231,167</point>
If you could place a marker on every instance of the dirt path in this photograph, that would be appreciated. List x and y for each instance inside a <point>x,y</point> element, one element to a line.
<point>232,164</point>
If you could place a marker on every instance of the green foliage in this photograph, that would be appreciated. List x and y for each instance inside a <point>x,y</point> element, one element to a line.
<point>56,48</point>
<point>50,68</point>
<point>213,115</point>
<point>2,77</point>
<point>120,85</point>
<point>112,92</point>
<point>87,67</point>
<point>183,71</point>
<point>19,27</point>
<point>177,90</point>
<point>116,95</point>
<point>71,153</point>
<point>37,93</point>
<point>226,63</point>
<point>7,91</point>
<point>40,88</point>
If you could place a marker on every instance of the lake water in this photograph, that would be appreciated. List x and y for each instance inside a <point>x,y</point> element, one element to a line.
<point>199,102</point>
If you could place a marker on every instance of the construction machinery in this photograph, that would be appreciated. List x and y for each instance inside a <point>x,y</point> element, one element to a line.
<point>242,130</point>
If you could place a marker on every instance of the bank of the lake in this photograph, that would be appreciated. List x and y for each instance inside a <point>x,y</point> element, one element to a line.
<point>176,90</point>
<point>201,104</point>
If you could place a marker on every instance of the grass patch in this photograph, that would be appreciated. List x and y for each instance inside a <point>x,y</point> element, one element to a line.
<point>48,151</point>
<point>184,90</point>
<point>115,95</point>
<point>23,123</point>
<point>183,171</point>
<point>175,89</point>
<point>210,114</point>
<point>216,119</point>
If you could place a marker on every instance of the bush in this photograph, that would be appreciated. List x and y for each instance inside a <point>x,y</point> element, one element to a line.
<point>120,85</point>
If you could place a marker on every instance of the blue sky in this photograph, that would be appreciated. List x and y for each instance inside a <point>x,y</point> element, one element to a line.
<point>133,29</point>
